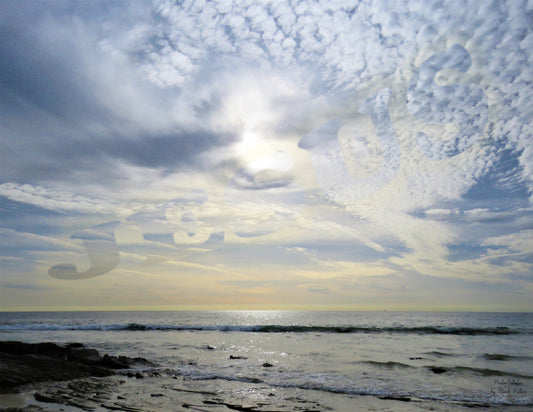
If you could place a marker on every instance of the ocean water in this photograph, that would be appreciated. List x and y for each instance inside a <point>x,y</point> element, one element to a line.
<point>446,359</point>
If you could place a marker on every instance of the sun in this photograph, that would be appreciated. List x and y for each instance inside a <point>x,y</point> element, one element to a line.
<point>250,138</point>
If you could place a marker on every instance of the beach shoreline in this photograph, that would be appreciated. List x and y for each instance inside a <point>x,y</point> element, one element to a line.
<point>266,361</point>
<point>134,385</point>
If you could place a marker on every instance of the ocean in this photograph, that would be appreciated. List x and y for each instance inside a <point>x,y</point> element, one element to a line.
<point>290,360</point>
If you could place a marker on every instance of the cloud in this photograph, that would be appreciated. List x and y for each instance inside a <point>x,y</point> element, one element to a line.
<point>21,286</point>
<point>464,104</point>
<point>54,200</point>
<point>328,138</point>
<point>182,45</point>
<point>21,242</point>
<point>520,242</point>
<point>89,107</point>
<point>330,166</point>
<point>264,196</point>
<point>315,289</point>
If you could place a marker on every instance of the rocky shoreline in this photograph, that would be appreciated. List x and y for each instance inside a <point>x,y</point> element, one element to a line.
<point>23,363</point>
<point>42,377</point>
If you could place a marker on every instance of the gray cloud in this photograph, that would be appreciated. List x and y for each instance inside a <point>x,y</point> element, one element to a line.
<point>112,109</point>
<point>89,108</point>
<point>105,111</point>
<point>22,286</point>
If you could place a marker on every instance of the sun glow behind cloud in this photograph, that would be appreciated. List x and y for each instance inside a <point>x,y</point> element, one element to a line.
<point>267,154</point>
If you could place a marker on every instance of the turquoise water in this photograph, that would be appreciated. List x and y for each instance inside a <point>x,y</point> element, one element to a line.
<point>447,357</point>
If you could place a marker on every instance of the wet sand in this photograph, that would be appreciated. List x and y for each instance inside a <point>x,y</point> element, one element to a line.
<point>134,385</point>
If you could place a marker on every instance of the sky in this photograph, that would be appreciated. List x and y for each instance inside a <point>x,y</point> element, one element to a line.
<point>361,155</point>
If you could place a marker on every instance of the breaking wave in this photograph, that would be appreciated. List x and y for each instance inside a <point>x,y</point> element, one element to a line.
<point>422,330</point>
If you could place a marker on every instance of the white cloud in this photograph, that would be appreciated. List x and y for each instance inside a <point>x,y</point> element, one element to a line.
<point>439,212</point>
<point>352,44</point>
<point>55,200</point>
<point>18,242</point>
<point>193,94</point>
<point>520,242</point>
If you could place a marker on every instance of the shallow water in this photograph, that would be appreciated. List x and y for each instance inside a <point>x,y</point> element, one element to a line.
<point>436,358</point>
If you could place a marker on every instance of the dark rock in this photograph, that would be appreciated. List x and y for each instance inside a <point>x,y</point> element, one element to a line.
<point>139,375</point>
<point>156,395</point>
<point>237,357</point>
<point>497,356</point>
<point>115,362</point>
<point>39,397</point>
<point>22,363</point>
<point>235,407</point>
<point>416,358</point>
<point>136,361</point>
<point>21,348</point>
<point>120,407</point>
<point>83,355</point>
<point>476,405</point>
<point>210,347</point>
<point>267,365</point>
<point>85,394</point>
<point>22,369</point>
<point>396,398</point>
<point>436,369</point>
<point>87,386</point>
<point>75,345</point>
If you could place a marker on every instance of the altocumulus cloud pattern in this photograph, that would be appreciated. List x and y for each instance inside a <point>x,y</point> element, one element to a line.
<point>315,151</point>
